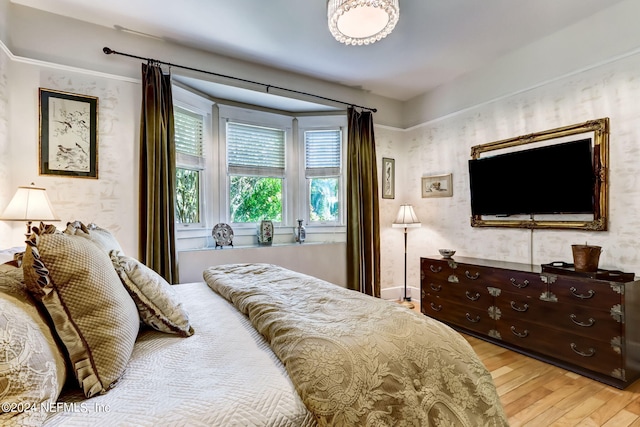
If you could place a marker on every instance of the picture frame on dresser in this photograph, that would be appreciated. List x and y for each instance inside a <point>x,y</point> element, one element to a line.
<point>68,134</point>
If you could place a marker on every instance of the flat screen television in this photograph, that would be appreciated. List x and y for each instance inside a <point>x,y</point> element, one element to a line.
<point>555,179</point>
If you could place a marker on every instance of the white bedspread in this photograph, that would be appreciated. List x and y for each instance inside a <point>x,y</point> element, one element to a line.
<point>224,375</point>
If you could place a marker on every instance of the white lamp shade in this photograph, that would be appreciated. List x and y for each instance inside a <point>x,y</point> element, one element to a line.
<point>29,204</point>
<point>406,218</point>
<point>361,22</point>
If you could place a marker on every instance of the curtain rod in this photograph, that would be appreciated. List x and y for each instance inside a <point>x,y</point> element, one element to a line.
<point>109,51</point>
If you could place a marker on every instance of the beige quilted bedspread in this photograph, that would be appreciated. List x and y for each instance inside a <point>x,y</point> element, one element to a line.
<point>361,361</point>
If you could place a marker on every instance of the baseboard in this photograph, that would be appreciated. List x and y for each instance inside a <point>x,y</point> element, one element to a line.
<point>397,293</point>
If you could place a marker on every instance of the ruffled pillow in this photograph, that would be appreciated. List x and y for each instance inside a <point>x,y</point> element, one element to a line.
<point>92,312</point>
<point>32,367</point>
<point>101,237</point>
<point>156,300</point>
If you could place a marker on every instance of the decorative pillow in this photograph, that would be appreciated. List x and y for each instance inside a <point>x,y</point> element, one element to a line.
<point>101,237</point>
<point>32,367</point>
<point>92,312</point>
<point>155,298</point>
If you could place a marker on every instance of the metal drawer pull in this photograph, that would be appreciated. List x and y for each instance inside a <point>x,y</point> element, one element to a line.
<point>473,297</point>
<point>435,288</point>
<point>476,320</point>
<point>591,321</point>
<point>590,294</point>
<point>519,334</point>
<point>434,269</point>
<point>592,351</point>
<point>517,285</point>
<point>521,309</point>
<point>470,276</point>
<point>434,308</point>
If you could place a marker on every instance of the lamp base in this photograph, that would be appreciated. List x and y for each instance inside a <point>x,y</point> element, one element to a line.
<point>407,304</point>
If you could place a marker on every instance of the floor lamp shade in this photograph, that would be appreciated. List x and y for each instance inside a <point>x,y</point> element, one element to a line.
<point>406,218</point>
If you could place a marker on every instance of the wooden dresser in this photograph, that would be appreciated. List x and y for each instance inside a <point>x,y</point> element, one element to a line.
<point>588,323</point>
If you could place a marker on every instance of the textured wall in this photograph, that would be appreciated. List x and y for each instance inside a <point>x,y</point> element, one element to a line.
<point>110,201</point>
<point>443,146</point>
<point>6,189</point>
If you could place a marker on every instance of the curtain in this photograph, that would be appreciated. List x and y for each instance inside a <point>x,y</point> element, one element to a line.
<point>157,174</point>
<point>363,225</point>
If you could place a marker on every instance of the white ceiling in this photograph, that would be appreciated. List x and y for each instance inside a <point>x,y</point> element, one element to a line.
<point>434,42</point>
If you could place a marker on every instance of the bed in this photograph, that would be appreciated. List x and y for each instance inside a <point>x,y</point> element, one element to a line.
<point>251,345</point>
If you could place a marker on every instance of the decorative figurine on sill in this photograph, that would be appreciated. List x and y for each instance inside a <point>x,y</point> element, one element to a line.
<point>300,232</point>
<point>265,233</point>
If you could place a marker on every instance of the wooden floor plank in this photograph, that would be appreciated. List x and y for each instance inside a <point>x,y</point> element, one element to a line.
<point>537,394</point>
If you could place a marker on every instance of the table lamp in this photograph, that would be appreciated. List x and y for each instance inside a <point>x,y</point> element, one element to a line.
<point>29,204</point>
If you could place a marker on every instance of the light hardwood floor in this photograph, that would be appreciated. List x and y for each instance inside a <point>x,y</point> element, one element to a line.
<point>537,394</point>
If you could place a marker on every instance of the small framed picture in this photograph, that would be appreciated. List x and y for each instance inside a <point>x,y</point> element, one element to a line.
<point>388,178</point>
<point>437,186</point>
<point>68,143</point>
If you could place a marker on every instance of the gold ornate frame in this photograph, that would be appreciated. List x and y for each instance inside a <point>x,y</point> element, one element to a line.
<point>600,138</point>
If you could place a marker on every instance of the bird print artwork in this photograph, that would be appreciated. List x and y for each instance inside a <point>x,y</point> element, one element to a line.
<point>69,128</point>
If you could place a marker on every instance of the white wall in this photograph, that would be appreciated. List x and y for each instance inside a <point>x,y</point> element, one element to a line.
<point>326,261</point>
<point>110,201</point>
<point>443,146</point>
<point>6,189</point>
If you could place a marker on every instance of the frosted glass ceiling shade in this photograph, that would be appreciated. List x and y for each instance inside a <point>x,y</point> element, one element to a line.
<point>29,204</point>
<point>406,218</point>
<point>359,22</point>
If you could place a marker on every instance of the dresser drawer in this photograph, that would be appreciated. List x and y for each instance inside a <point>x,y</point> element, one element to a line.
<point>473,294</point>
<point>598,356</point>
<point>526,284</point>
<point>467,317</point>
<point>586,292</point>
<point>595,324</point>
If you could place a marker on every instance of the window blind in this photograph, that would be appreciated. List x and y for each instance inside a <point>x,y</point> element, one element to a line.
<point>188,131</point>
<point>255,150</point>
<point>323,150</point>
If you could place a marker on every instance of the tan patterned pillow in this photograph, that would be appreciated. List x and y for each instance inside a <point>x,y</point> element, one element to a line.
<point>155,298</point>
<point>101,237</point>
<point>92,312</point>
<point>32,367</point>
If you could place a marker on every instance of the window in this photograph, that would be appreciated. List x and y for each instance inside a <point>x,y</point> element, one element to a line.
<point>323,160</point>
<point>239,165</point>
<point>256,165</point>
<point>189,165</point>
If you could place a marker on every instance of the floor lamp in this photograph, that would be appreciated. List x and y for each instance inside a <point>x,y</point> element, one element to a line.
<point>406,218</point>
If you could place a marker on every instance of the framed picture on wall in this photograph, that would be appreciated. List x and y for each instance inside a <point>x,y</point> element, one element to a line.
<point>388,178</point>
<point>68,143</point>
<point>437,186</point>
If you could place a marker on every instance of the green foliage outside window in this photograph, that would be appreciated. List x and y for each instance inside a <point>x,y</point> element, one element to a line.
<point>324,199</point>
<point>187,196</point>
<point>254,198</point>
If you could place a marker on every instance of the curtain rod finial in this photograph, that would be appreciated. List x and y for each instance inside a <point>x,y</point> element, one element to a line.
<point>107,50</point>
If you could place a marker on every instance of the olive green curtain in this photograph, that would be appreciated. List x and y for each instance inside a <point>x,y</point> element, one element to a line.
<point>363,225</point>
<point>157,174</point>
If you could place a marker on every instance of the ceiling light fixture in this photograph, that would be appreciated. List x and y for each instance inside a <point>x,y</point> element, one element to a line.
<point>359,22</point>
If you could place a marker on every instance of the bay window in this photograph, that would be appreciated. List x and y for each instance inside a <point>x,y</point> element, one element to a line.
<point>256,165</point>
